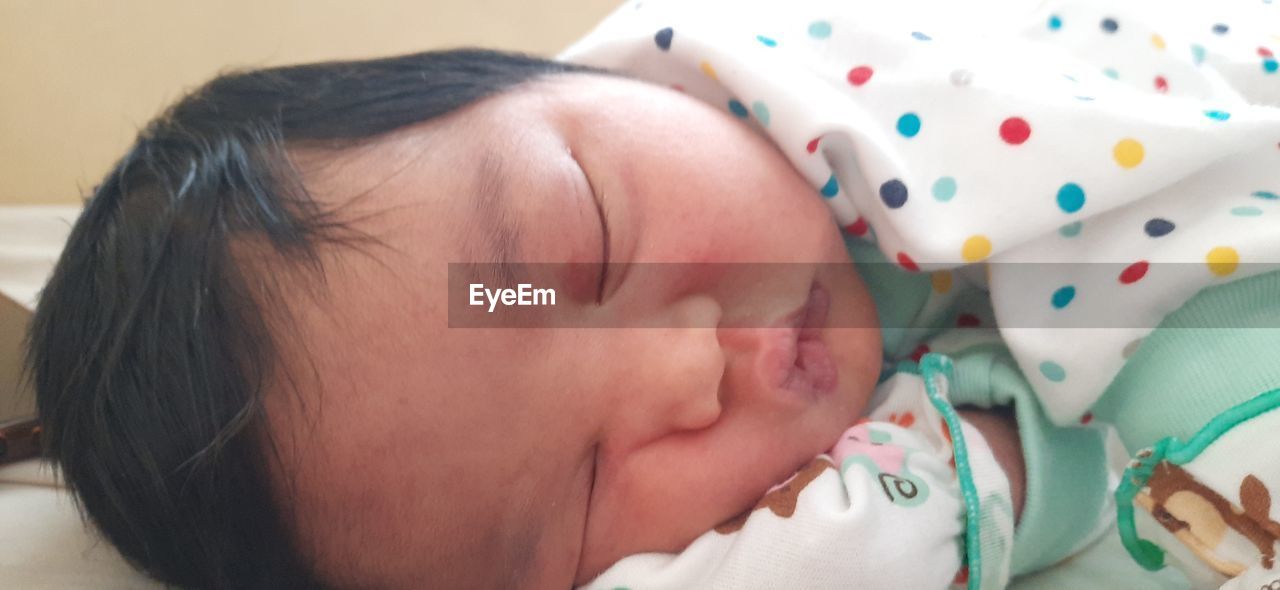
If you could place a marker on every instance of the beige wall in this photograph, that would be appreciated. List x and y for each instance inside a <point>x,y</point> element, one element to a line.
<point>79,77</point>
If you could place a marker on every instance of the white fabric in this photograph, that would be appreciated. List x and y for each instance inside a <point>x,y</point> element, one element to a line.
<point>982,132</point>
<point>45,546</point>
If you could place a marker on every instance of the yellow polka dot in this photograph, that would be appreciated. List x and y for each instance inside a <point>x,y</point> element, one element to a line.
<point>976,248</point>
<point>941,281</point>
<point>1129,153</point>
<point>708,70</point>
<point>1158,42</point>
<point>1222,260</point>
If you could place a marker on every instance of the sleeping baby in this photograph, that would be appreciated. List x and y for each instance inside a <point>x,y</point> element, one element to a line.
<point>257,367</point>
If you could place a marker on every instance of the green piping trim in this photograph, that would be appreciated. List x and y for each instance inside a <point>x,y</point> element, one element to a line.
<point>1148,554</point>
<point>931,366</point>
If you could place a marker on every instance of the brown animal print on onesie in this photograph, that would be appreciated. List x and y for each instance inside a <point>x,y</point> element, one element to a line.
<point>782,499</point>
<point>1199,516</point>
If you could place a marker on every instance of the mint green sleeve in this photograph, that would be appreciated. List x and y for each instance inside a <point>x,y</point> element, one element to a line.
<point>899,296</point>
<point>1066,468</point>
<point>1067,487</point>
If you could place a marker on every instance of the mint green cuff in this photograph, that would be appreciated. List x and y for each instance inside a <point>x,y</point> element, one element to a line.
<point>1066,468</point>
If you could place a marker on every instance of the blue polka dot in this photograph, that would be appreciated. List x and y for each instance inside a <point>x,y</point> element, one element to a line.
<point>1197,53</point>
<point>1157,227</point>
<point>1246,211</point>
<point>1053,371</point>
<point>921,36</point>
<point>663,38</point>
<point>761,111</point>
<point>1218,115</point>
<point>831,187</point>
<point>1085,98</point>
<point>1111,73</point>
<point>820,29</point>
<point>1267,195</point>
<point>1270,65</point>
<point>766,41</point>
<point>1055,22</point>
<point>909,125</point>
<point>1063,296</point>
<point>1110,25</point>
<point>1071,230</point>
<point>738,108</point>
<point>944,188</point>
<point>893,193</point>
<point>1070,197</point>
<point>1221,29</point>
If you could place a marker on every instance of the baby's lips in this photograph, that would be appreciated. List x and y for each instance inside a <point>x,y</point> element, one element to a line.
<point>801,361</point>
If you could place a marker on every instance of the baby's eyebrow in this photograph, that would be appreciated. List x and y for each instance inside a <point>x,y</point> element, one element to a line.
<point>499,227</point>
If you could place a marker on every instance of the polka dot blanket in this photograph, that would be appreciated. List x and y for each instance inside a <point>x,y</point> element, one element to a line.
<point>1108,159</point>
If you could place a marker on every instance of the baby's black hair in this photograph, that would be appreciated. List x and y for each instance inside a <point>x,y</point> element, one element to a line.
<point>149,351</point>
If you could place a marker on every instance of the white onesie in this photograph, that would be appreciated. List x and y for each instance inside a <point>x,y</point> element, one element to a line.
<point>886,508</point>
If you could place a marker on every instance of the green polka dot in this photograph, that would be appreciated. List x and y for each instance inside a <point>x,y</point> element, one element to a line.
<point>820,29</point>
<point>1198,53</point>
<point>1246,211</point>
<point>1071,230</point>
<point>762,112</point>
<point>944,188</point>
<point>1053,371</point>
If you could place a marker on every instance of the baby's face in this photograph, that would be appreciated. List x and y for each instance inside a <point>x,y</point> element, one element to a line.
<point>538,456</point>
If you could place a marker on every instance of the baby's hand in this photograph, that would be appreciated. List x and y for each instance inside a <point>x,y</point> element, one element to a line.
<point>999,426</point>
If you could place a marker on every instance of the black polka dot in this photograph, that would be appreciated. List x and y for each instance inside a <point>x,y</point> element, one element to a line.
<point>663,38</point>
<point>1157,227</point>
<point>1221,29</point>
<point>893,193</point>
<point>1110,25</point>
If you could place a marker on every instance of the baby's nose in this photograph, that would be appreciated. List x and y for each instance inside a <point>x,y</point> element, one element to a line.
<point>757,359</point>
<point>686,377</point>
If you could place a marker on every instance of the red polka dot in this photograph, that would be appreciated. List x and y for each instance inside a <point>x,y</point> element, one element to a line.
<point>962,576</point>
<point>677,88</point>
<point>1162,85</point>
<point>1134,272</point>
<point>1015,130</point>
<point>859,75</point>
<point>968,320</point>
<point>858,228</point>
<point>1264,52</point>
<point>1086,418</point>
<point>919,352</point>
<point>813,145</point>
<point>907,262</point>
